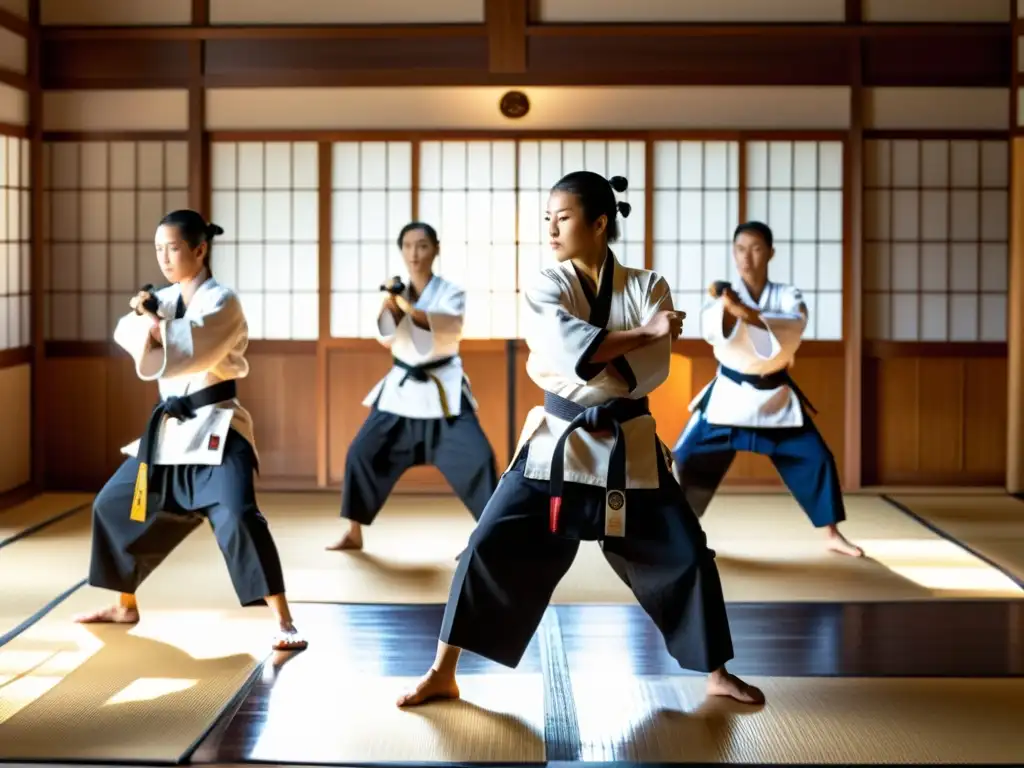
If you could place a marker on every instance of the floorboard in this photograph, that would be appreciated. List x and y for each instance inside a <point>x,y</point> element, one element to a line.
<point>385,646</point>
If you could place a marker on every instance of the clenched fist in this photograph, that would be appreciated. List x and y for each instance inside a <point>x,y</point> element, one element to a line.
<point>667,323</point>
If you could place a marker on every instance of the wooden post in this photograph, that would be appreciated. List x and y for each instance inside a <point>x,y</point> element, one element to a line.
<point>1015,299</point>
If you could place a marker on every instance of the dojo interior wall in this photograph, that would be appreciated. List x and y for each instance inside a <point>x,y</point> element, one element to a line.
<point>283,164</point>
<point>16,252</point>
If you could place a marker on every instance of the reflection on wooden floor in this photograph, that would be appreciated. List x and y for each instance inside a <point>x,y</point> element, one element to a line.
<point>847,683</point>
<point>915,654</point>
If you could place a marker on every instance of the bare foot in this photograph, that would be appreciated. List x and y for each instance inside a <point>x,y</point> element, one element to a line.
<point>353,539</point>
<point>722,683</point>
<point>115,614</point>
<point>289,639</point>
<point>434,685</point>
<point>836,542</point>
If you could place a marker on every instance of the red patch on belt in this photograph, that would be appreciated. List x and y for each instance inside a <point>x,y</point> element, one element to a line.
<point>214,443</point>
<point>554,511</point>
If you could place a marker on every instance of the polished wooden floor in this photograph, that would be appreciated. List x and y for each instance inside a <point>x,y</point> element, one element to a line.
<point>973,639</point>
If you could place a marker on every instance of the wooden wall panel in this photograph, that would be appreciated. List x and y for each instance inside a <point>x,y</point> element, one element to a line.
<point>352,373</point>
<point>983,57</point>
<point>83,443</point>
<point>15,427</point>
<point>126,64</point>
<point>935,420</point>
<point>640,56</point>
<point>358,59</point>
<point>280,393</point>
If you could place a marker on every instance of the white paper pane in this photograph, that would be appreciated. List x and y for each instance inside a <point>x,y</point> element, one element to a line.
<point>934,267</point>
<point>906,164</point>
<point>935,164</point>
<point>993,318</point>
<point>966,168</point>
<point>995,209</point>
<point>150,165</point>
<point>94,165</point>
<point>994,267</point>
<point>222,166</point>
<point>829,323</point>
<point>905,313</point>
<point>175,165</point>
<point>995,164</point>
<point>250,166</point>
<point>963,317</point>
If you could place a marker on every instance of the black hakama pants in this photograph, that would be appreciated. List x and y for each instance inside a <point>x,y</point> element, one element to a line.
<point>387,445</point>
<point>705,452</point>
<point>126,552</point>
<point>512,564</point>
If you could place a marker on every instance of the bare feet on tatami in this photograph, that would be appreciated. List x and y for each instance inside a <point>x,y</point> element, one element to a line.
<point>722,683</point>
<point>836,542</point>
<point>289,639</point>
<point>115,614</point>
<point>431,687</point>
<point>353,539</point>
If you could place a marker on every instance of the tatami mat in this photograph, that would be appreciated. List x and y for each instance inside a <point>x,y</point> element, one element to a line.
<point>807,720</point>
<point>143,693</point>
<point>354,720</point>
<point>993,526</point>
<point>766,549</point>
<point>37,510</point>
<point>37,568</point>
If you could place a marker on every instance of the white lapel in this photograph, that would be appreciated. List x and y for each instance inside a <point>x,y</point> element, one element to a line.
<point>200,297</point>
<point>766,295</point>
<point>430,293</point>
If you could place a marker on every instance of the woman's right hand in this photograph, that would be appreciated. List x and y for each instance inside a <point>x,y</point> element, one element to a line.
<point>137,304</point>
<point>666,323</point>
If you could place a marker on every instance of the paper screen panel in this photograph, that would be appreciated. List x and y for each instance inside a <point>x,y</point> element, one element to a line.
<point>264,195</point>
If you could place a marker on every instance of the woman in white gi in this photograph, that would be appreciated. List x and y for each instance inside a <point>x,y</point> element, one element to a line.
<point>753,404</point>
<point>589,465</point>
<point>197,455</point>
<point>422,411</point>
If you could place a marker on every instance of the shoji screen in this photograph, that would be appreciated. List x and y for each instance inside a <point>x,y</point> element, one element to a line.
<point>696,209</point>
<point>936,240</point>
<point>796,187</point>
<point>371,200</point>
<point>15,245</point>
<point>468,191</point>
<point>265,197</point>
<point>103,203</point>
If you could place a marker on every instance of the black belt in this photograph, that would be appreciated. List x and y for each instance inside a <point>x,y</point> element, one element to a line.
<point>421,373</point>
<point>768,381</point>
<point>609,415</point>
<point>181,408</point>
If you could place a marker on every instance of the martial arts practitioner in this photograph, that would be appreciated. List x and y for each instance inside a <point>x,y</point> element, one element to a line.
<point>752,404</point>
<point>197,456</point>
<point>422,411</point>
<point>589,465</point>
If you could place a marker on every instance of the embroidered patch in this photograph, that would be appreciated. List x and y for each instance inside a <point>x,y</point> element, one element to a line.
<point>214,443</point>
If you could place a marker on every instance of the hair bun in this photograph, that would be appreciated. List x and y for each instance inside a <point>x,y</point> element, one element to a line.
<point>624,209</point>
<point>619,183</point>
<point>212,230</point>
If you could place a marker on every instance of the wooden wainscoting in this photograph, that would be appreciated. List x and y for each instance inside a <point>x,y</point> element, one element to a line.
<point>353,367</point>
<point>935,414</point>
<point>97,405</point>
